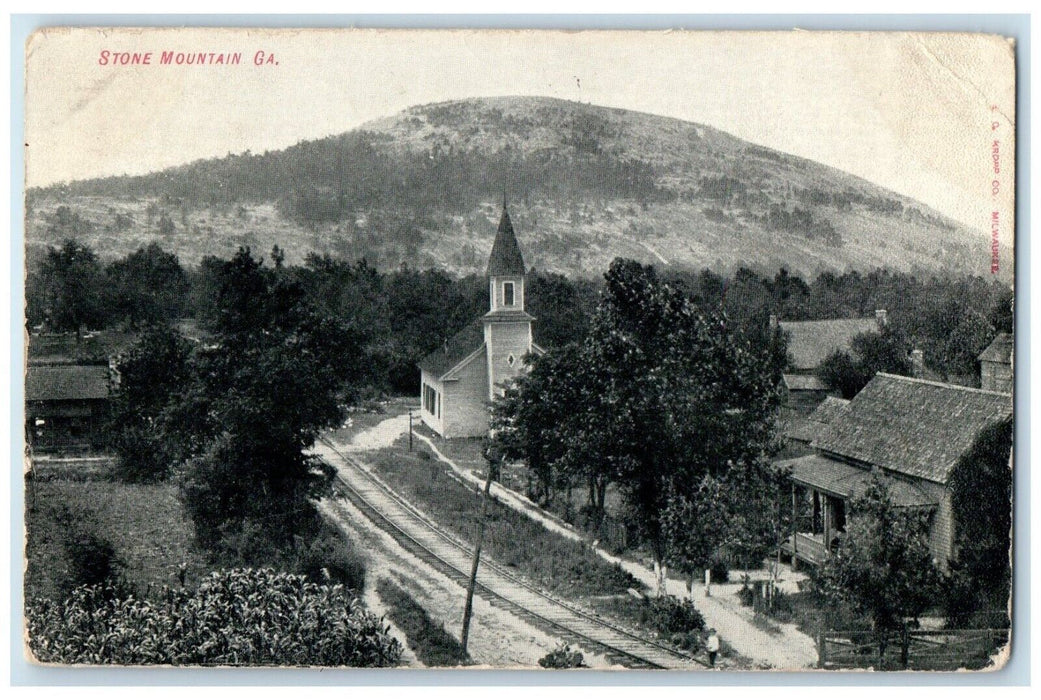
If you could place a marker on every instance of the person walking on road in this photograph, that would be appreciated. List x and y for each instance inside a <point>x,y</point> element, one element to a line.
<point>712,647</point>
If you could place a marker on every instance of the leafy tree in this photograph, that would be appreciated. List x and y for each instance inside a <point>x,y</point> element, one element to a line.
<point>562,306</point>
<point>656,397</point>
<point>530,421</point>
<point>842,373</point>
<point>153,372</point>
<point>883,568</point>
<point>259,397</point>
<point>237,617</point>
<point>981,484</point>
<point>70,278</point>
<point>696,525</point>
<point>965,343</point>
<point>147,287</point>
<point>1001,313</point>
<point>849,372</point>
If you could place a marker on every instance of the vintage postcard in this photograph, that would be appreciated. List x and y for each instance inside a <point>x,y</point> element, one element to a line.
<point>519,349</point>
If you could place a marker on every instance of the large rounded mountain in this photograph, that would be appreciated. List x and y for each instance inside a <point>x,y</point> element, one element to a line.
<point>585,184</point>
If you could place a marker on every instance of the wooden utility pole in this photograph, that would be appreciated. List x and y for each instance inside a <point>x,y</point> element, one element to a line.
<point>410,430</point>
<point>468,610</point>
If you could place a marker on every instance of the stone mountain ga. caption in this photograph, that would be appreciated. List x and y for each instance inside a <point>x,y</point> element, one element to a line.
<point>186,58</point>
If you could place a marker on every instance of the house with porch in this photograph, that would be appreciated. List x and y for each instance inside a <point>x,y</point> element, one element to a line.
<point>911,431</point>
<point>460,379</point>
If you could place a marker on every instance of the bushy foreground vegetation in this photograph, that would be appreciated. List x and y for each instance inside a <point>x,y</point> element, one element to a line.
<point>236,617</point>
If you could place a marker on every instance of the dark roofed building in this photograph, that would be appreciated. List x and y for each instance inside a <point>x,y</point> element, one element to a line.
<point>996,364</point>
<point>811,342</point>
<point>911,431</point>
<point>65,405</point>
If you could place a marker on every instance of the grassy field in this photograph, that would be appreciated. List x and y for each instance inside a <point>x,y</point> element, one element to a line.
<point>143,522</point>
<point>554,562</point>
<point>431,642</point>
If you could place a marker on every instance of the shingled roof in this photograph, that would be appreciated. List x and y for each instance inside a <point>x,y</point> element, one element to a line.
<point>506,257</point>
<point>807,429</point>
<point>912,426</point>
<point>1000,349</point>
<point>455,350</point>
<point>66,382</point>
<point>846,481</point>
<point>811,342</point>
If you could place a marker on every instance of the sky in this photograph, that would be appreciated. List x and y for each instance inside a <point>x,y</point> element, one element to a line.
<point>916,113</point>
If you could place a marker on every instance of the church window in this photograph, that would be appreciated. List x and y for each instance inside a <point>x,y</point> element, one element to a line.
<point>431,401</point>
<point>510,360</point>
<point>507,294</point>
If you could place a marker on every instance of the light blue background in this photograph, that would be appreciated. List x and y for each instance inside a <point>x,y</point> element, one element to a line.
<point>1017,672</point>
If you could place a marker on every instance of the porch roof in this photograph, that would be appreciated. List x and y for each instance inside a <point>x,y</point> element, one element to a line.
<point>846,481</point>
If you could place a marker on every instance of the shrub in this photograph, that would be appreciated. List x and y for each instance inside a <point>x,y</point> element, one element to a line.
<point>236,617</point>
<point>142,456</point>
<point>670,615</point>
<point>563,657</point>
<point>719,572</point>
<point>747,594</point>
<point>331,558</point>
<point>92,559</point>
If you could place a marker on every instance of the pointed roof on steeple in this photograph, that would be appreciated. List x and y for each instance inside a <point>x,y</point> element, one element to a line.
<point>506,257</point>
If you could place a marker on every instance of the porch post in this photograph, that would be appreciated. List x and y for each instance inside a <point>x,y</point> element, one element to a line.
<point>795,529</point>
<point>827,526</point>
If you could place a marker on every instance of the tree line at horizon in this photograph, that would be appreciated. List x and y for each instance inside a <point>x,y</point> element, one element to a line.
<point>403,314</point>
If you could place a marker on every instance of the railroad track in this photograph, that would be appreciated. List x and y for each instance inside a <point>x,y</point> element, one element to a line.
<point>495,583</point>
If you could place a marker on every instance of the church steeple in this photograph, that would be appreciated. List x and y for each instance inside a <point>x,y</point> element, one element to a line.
<point>506,259</point>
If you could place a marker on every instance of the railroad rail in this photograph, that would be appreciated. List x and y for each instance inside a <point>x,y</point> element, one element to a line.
<point>495,583</point>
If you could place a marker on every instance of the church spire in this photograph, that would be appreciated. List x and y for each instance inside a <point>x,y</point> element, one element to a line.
<point>506,259</point>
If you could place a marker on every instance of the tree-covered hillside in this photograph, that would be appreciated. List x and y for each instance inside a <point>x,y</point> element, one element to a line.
<point>585,184</point>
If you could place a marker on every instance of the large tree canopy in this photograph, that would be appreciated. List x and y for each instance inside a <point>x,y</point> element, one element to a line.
<point>657,397</point>
<point>275,377</point>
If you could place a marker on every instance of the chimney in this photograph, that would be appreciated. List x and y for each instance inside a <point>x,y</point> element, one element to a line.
<point>917,364</point>
<point>882,318</point>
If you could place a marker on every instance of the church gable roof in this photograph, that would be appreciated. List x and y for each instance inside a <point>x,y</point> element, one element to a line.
<point>456,349</point>
<point>506,257</point>
<point>912,426</point>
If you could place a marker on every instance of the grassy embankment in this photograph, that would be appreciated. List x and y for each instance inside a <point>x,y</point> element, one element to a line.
<point>430,641</point>
<point>555,563</point>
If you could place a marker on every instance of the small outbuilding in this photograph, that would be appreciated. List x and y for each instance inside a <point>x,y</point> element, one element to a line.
<point>66,406</point>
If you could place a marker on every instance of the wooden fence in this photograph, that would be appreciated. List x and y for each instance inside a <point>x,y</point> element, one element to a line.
<point>907,649</point>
